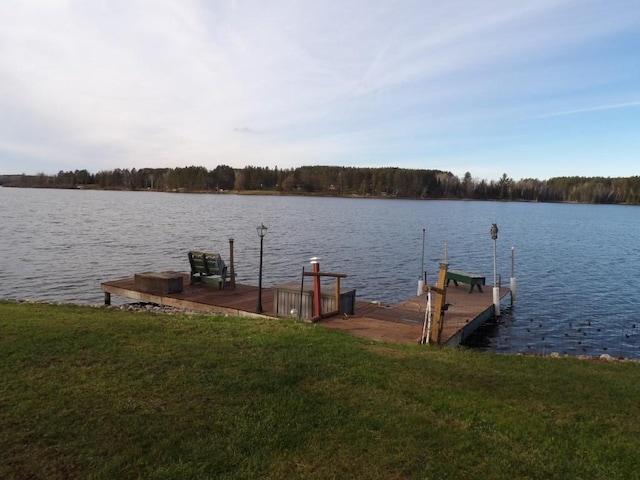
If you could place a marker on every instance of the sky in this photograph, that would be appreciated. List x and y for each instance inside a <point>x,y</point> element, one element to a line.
<point>533,89</point>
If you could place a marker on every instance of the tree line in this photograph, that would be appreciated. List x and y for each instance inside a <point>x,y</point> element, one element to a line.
<point>343,181</point>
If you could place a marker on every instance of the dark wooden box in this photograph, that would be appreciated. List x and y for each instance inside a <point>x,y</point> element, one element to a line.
<point>159,283</point>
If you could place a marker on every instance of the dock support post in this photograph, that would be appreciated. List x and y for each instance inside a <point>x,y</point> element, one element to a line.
<point>232,271</point>
<point>317,299</point>
<point>107,298</point>
<point>496,301</point>
<point>512,280</point>
<point>338,303</point>
<point>441,290</point>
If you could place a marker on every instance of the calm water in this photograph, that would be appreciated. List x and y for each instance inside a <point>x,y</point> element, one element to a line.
<point>576,265</point>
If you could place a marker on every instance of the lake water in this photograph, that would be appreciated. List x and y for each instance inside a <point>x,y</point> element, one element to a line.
<point>576,265</point>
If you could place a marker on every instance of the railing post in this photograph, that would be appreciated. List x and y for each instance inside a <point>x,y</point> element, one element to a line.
<point>317,299</point>
<point>231,266</point>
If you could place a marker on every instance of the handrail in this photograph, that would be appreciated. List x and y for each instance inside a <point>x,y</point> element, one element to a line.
<point>337,276</point>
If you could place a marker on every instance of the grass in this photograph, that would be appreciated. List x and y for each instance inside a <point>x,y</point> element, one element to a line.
<point>99,393</point>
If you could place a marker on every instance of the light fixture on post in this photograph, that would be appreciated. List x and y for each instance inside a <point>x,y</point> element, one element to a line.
<point>262,231</point>
<point>496,288</point>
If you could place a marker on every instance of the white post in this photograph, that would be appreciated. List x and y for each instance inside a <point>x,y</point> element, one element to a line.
<point>317,296</point>
<point>512,280</point>
<point>428,315</point>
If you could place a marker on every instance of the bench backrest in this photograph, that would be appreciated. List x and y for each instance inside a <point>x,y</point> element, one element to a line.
<point>206,263</point>
<point>215,264</point>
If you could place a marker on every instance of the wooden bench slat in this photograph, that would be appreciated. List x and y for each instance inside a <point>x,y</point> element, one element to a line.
<point>207,267</point>
<point>471,279</point>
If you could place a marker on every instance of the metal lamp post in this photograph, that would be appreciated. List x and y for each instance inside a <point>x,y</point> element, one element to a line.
<point>262,231</point>
<point>231,266</point>
<point>496,289</point>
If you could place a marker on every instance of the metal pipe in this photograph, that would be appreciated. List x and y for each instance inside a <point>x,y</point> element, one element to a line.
<point>423,234</point>
<point>495,266</point>
<point>422,280</point>
<point>259,307</point>
<point>301,293</point>
<point>496,288</point>
<point>262,231</point>
<point>512,280</point>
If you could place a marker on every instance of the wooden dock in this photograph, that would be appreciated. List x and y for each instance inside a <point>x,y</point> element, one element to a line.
<point>399,323</point>
<point>403,322</point>
<point>240,301</point>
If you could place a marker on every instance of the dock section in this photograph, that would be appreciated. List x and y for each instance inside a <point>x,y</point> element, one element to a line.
<point>399,323</point>
<point>403,322</point>
<point>240,301</point>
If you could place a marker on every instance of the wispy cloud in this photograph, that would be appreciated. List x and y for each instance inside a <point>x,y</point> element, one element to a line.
<point>598,108</point>
<point>246,130</point>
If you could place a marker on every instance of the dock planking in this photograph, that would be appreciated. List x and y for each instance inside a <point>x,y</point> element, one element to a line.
<point>240,301</point>
<point>398,323</point>
<point>403,321</point>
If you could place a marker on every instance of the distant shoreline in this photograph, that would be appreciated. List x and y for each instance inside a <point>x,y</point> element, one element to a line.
<point>274,193</point>
<point>269,193</point>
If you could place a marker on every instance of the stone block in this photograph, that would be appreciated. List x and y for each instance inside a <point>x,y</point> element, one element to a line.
<point>159,283</point>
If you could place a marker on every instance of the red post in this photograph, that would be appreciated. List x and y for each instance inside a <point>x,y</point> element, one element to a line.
<point>317,299</point>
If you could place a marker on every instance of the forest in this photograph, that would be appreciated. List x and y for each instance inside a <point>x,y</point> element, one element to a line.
<point>388,182</point>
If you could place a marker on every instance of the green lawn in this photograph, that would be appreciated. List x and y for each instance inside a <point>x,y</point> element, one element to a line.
<point>100,393</point>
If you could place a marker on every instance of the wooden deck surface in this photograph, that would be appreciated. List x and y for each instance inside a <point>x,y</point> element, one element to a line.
<point>399,323</point>
<point>240,301</point>
<point>403,322</point>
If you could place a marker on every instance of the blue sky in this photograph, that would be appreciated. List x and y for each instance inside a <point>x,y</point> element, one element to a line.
<point>533,89</point>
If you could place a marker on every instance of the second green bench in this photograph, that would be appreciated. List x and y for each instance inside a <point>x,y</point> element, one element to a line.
<point>465,277</point>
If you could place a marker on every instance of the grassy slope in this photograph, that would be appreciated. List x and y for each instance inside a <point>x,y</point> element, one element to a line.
<point>97,393</point>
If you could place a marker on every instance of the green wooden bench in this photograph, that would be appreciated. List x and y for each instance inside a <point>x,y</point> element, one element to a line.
<point>464,277</point>
<point>207,267</point>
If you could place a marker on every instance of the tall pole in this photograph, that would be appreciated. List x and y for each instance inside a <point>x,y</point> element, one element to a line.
<point>496,288</point>
<point>423,234</point>
<point>262,230</point>
<point>495,265</point>
<point>259,307</point>
<point>317,296</point>
<point>232,273</point>
<point>423,275</point>
<point>512,280</point>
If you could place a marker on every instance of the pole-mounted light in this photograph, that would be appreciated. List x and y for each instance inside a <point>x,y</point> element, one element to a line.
<point>262,231</point>
<point>496,289</point>
<point>232,273</point>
